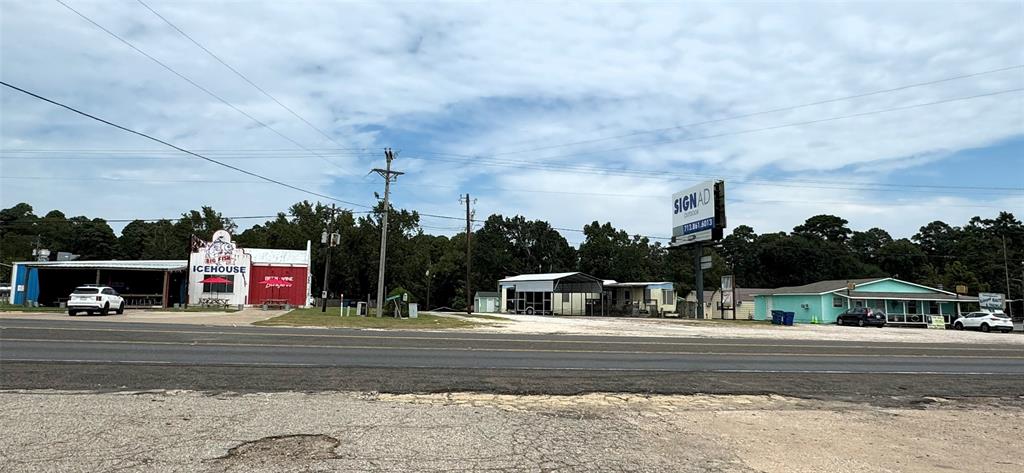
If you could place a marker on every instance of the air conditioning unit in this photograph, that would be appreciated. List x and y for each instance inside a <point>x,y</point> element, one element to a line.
<point>805,306</point>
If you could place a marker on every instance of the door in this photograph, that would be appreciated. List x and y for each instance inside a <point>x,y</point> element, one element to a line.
<point>768,307</point>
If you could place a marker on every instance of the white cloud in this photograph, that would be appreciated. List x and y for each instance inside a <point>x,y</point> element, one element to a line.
<point>480,78</point>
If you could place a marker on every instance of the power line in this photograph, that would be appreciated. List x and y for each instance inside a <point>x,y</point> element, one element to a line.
<point>196,85</point>
<point>768,111</point>
<point>500,189</point>
<point>239,74</point>
<point>183,150</point>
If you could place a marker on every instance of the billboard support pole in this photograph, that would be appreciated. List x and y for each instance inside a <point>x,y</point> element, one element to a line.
<point>699,278</point>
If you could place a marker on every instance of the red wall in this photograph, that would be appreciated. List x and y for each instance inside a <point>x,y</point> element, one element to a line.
<point>296,294</point>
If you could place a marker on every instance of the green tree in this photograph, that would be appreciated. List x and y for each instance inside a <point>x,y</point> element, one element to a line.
<point>824,227</point>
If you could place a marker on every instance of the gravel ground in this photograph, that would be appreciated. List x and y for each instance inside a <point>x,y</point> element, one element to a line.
<point>293,432</point>
<point>516,323</point>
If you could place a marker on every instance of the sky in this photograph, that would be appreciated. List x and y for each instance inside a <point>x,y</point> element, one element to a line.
<point>567,112</point>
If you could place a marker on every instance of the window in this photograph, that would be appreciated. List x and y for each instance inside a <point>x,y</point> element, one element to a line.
<point>933,308</point>
<point>858,303</point>
<point>626,295</point>
<point>837,301</point>
<point>108,291</point>
<point>221,288</point>
<point>566,297</point>
<point>911,307</point>
<point>668,297</point>
<point>86,290</point>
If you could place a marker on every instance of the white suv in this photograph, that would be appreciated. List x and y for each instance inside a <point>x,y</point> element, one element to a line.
<point>985,321</point>
<point>95,298</point>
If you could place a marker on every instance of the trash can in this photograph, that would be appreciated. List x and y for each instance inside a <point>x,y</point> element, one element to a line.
<point>777,316</point>
<point>787,318</point>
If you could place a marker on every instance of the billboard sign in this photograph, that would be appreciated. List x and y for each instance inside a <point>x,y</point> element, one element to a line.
<point>990,301</point>
<point>698,213</point>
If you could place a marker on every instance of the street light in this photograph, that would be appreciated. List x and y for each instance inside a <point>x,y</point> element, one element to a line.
<point>427,307</point>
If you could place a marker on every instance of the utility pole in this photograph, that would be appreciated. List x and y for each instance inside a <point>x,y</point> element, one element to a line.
<point>328,241</point>
<point>388,176</point>
<point>699,279</point>
<point>469,259</point>
<point>1006,269</point>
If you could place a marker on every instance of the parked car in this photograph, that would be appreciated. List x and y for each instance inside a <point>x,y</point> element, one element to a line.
<point>862,316</point>
<point>95,299</point>
<point>984,321</point>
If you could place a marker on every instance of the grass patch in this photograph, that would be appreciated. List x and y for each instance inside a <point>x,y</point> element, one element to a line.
<point>312,317</point>
<point>21,308</point>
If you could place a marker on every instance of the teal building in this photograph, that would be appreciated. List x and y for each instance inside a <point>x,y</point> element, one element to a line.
<point>903,302</point>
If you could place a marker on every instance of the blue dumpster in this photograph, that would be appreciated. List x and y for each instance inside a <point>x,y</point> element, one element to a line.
<point>787,318</point>
<point>777,317</point>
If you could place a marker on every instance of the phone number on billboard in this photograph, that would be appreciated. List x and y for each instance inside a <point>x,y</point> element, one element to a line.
<point>699,225</point>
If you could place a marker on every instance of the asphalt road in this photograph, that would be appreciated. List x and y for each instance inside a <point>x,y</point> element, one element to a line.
<point>110,355</point>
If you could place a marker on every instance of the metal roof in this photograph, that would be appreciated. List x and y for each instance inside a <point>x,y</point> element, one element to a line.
<point>636,284</point>
<point>542,277</point>
<point>271,256</point>
<point>487,294</point>
<point>132,265</point>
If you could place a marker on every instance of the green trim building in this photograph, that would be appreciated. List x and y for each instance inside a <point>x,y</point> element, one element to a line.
<point>903,302</point>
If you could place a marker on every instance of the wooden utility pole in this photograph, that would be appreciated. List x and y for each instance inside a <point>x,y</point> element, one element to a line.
<point>469,259</point>
<point>328,241</point>
<point>388,176</point>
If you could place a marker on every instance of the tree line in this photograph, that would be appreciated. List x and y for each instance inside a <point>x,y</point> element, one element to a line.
<point>823,247</point>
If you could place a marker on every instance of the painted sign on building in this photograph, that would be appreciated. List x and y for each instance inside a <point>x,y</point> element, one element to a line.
<point>219,259</point>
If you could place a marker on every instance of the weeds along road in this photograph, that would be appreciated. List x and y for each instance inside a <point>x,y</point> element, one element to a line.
<point>112,356</point>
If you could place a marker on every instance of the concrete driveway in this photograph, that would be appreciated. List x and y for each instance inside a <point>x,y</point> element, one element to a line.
<point>242,317</point>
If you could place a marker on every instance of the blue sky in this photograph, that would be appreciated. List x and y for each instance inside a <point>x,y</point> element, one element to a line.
<point>544,110</point>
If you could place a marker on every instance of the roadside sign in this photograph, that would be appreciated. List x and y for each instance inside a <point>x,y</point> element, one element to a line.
<point>705,260</point>
<point>727,283</point>
<point>323,295</point>
<point>851,286</point>
<point>991,300</point>
<point>936,322</point>
<point>961,289</point>
<point>704,265</point>
<point>698,213</point>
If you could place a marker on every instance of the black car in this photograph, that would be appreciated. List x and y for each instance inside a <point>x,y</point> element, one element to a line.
<point>862,316</point>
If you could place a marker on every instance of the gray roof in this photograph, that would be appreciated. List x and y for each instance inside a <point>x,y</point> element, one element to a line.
<point>136,265</point>
<point>747,293</point>
<point>819,287</point>
<point>634,284</point>
<point>487,294</point>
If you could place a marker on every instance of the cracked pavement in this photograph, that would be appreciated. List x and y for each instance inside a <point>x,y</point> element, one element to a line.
<point>171,431</point>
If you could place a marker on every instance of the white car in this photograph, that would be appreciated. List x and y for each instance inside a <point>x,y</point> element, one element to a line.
<point>985,321</point>
<point>95,299</point>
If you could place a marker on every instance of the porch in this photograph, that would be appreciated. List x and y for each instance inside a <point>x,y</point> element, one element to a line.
<point>909,309</point>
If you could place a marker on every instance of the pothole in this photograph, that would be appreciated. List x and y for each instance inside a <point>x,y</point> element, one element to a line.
<point>281,449</point>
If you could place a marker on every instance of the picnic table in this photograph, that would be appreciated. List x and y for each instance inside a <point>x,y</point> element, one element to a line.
<point>276,303</point>
<point>213,302</point>
<point>143,300</point>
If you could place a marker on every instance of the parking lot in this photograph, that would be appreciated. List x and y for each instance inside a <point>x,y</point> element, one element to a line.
<point>516,323</point>
<point>242,317</point>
